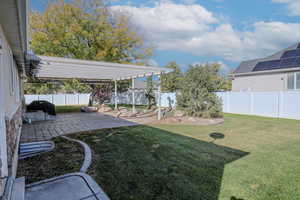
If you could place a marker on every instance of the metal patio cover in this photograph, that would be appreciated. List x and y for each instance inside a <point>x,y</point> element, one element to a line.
<point>54,68</point>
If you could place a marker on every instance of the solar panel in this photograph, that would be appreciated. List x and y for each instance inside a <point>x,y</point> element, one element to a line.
<point>267,65</point>
<point>288,54</point>
<point>287,63</point>
<point>297,62</point>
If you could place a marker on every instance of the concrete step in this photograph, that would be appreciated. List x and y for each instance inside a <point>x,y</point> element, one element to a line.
<point>18,189</point>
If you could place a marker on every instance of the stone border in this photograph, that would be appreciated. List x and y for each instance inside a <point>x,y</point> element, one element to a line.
<point>87,154</point>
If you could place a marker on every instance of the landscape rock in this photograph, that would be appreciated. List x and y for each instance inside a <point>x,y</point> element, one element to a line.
<point>104,108</point>
<point>178,113</point>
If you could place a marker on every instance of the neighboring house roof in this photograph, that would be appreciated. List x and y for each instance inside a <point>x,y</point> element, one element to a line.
<point>284,60</point>
<point>13,19</point>
<point>54,68</point>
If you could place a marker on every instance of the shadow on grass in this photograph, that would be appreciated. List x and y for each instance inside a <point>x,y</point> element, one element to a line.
<point>144,162</point>
<point>139,162</point>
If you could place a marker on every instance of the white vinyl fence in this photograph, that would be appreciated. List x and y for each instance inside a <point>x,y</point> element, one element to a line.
<point>60,99</point>
<point>269,104</point>
<point>83,99</point>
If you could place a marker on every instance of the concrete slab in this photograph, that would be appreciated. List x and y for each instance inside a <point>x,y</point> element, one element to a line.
<point>65,124</point>
<point>18,189</point>
<point>75,186</point>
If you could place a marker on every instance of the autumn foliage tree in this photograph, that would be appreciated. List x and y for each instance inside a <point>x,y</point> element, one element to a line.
<point>86,29</point>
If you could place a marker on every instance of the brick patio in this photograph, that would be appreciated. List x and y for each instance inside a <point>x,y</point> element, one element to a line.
<point>65,124</point>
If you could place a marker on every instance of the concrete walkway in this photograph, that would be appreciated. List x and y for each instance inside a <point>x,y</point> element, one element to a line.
<point>65,124</point>
<point>76,186</point>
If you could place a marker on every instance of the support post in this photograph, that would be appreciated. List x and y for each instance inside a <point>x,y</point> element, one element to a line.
<point>116,95</point>
<point>159,98</point>
<point>133,96</point>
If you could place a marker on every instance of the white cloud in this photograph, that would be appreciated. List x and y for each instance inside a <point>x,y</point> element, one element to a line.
<point>195,30</point>
<point>293,6</point>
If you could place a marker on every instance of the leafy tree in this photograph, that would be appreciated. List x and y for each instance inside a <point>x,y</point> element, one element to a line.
<point>171,82</point>
<point>41,88</point>
<point>75,86</point>
<point>86,29</point>
<point>197,96</point>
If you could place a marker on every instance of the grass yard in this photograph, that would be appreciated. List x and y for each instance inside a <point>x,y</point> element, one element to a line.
<point>245,158</point>
<point>68,109</point>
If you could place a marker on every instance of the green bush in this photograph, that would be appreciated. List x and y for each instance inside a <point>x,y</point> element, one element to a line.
<point>196,96</point>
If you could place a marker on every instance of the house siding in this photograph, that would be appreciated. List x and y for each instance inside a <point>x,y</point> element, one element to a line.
<point>260,83</point>
<point>10,111</point>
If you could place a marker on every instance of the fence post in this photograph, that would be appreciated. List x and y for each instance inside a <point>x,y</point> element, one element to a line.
<point>65,99</point>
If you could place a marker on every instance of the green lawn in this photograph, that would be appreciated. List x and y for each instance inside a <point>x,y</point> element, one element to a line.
<point>68,109</point>
<point>258,158</point>
<point>254,158</point>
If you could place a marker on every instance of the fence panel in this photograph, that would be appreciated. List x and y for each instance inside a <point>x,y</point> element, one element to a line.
<point>290,105</point>
<point>239,103</point>
<point>269,104</point>
<point>168,99</point>
<point>30,98</point>
<point>71,99</point>
<point>46,97</point>
<point>265,104</point>
<point>83,99</point>
<point>59,99</point>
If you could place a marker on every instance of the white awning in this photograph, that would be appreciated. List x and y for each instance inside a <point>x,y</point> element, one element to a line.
<point>54,68</point>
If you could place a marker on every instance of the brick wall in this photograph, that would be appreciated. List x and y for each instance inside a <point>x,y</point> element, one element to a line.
<point>13,131</point>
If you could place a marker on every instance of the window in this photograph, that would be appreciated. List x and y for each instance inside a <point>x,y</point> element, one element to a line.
<point>290,81</point>
<point>298,81</point>
<point>293,81</point>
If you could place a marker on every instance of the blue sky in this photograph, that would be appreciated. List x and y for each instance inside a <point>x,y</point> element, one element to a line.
<point>201,31</point>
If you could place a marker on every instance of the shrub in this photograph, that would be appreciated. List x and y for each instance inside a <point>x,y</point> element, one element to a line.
<point>196,96</point>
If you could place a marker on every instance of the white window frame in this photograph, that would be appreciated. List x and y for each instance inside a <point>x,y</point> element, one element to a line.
<point>295,81</point>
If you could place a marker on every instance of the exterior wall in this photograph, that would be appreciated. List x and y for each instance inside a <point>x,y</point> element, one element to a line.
<point>260,83</point>
<point>10,111</point>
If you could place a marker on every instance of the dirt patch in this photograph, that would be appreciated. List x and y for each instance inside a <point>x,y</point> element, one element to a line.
<point>151,118</point>
<point>190,121</point>
<point>67,157</point>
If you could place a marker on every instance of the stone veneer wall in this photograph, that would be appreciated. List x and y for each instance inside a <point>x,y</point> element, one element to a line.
<point>13,133</point>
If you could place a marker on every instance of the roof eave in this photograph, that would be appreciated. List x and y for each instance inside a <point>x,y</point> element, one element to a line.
<point>265,72</point>
<point>13,19</point>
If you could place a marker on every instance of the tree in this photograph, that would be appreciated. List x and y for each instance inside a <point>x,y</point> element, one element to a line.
<point>74,86</point>
<point>171,82</point>
<point>197,96</point>
<point>86,29</point>
<point>150,92</point>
